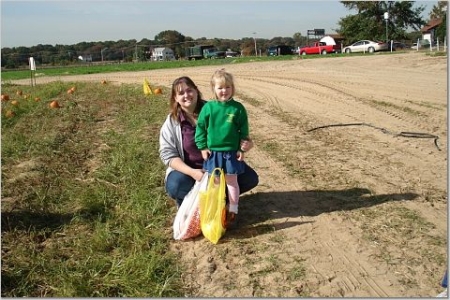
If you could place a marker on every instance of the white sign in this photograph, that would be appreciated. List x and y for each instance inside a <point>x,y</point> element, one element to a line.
<point>32,64</point>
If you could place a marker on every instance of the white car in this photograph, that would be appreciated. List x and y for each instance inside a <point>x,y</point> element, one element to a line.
<point>366,46</point>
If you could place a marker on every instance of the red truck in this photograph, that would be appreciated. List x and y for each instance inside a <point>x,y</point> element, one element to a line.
<point>320,48</point>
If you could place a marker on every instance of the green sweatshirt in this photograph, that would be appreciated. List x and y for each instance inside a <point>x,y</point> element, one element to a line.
<point>221,126</point>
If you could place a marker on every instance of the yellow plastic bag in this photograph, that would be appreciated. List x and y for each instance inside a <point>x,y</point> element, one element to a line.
<point>212,207</point>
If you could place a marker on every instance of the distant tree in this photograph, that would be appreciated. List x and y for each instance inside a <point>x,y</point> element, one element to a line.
<point>439,10</point>
<point>441,30</point>
<point>129,50</point>
<point>171,39</point>
<point>299,40</point>
<point>248,46</point>
<point>369,22</point>
<point>414,35</point>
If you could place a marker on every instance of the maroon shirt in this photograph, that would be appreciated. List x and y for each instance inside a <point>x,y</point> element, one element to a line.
<point>192,156</point>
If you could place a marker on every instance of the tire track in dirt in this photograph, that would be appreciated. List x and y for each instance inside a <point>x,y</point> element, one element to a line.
<point>350,104</point>
<point>348,275</point>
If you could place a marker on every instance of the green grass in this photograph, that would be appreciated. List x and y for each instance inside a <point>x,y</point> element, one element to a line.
<point>81,68</point>
<point>84,213</point>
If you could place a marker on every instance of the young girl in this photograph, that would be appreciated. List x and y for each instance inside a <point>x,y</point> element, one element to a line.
<point>222,124</point>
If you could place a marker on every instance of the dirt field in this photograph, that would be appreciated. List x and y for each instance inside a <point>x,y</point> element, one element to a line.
<point>357,208</point>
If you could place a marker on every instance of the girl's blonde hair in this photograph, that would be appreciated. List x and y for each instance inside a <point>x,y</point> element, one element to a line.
<point>221,77</point>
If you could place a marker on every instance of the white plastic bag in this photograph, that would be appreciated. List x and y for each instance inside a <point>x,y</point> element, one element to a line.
<point>187,220</point>
<point>444,294</point>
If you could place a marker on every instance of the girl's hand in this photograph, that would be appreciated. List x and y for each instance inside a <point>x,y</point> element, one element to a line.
<point>246,144</point>
<point>240,156</point>
<point>205,154</point>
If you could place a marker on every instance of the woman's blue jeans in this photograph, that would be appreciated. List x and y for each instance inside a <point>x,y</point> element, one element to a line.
<point>178,184</point>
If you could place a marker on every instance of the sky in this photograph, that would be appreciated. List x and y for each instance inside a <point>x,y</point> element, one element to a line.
<point>68,22</point>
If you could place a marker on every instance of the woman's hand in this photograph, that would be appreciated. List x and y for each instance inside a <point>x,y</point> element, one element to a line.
<point>240,156</point>
<point>246,144</point>
<point>197,174</point>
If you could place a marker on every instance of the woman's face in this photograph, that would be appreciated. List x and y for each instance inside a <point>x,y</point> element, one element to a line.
<point>186,97</point>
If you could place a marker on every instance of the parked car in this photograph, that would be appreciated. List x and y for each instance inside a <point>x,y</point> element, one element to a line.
<point>279,50</point>
<point>366,46</point>
<point>230,53</point>
<point>398,46</point>
<point>423,43</point>
<point>320,48</point>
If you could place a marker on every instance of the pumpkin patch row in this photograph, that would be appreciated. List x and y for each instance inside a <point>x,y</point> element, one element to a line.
<point>52,104</point>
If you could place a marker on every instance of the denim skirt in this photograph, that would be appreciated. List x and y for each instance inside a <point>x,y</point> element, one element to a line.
<point>225,160</point>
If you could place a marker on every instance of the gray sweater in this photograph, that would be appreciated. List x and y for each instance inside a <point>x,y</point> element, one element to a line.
<point>170,142</point>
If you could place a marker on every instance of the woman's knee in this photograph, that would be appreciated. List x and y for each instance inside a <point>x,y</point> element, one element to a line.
<point>248,180</point>
<point>178,185</point>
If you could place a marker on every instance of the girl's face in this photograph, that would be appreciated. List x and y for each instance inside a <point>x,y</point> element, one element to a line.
<point>223,91</point>
<point>186,97</point>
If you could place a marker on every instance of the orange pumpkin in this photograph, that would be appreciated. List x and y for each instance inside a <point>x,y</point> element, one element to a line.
<point>15,102</point>
<point>9,114</point>
<point>5,97</point>
<point>54,104</point>
<point>157,91</point>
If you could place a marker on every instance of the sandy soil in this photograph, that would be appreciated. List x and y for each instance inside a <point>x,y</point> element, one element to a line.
<point>357,208</point>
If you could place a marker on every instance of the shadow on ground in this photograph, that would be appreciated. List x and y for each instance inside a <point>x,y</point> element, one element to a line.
<point>256,209</point>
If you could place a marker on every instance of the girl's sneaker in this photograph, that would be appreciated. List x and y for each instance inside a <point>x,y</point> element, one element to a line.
<point>231,221</point>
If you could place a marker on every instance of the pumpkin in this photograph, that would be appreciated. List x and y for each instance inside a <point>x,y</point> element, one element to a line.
<point>157,91</point>
<point>5,97</point>
<point>54,104</point>
<point>9,114</point>
<point>15,102</point>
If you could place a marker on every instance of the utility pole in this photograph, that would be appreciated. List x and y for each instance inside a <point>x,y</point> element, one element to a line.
<point>254,39</point>
<point>386,18</point>
<point>135,53</point>
<point>101,51</point>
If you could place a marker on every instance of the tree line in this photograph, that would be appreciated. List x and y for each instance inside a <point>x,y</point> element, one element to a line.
<point>367,23</point>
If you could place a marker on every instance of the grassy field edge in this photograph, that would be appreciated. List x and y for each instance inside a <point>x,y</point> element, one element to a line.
<point>84,213</point>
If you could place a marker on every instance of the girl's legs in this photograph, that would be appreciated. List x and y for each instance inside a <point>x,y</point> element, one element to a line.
<point>178,185</point>
<point>246,181</point>
<point>233,192</point>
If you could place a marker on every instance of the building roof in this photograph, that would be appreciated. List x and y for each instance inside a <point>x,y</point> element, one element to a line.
<point>337,37</point>
<point>161,49</point>
<point>433,23</point>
